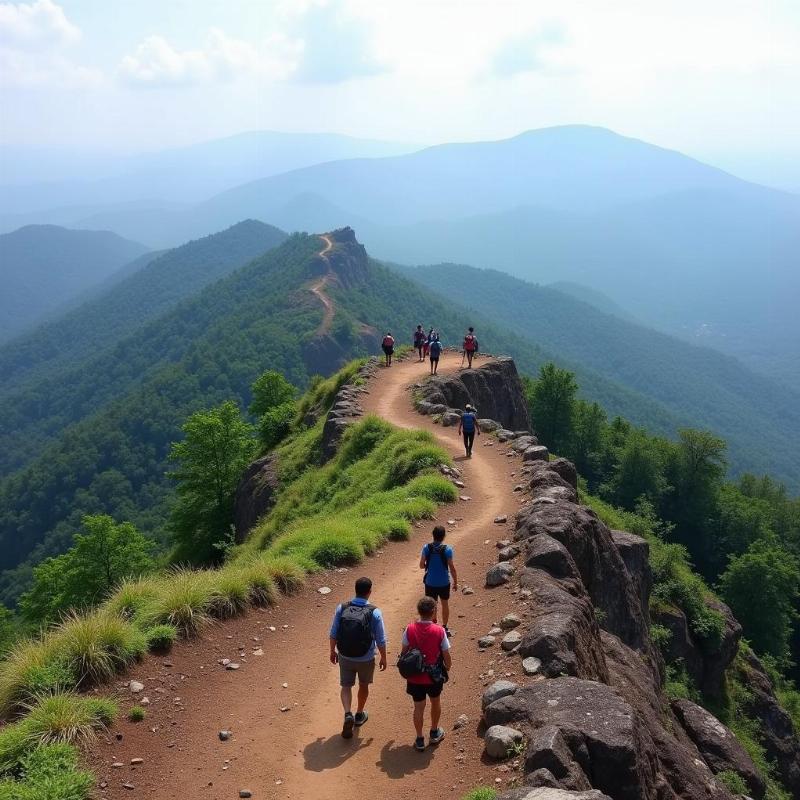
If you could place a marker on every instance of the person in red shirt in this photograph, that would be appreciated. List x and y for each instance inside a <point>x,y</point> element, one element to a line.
<point>431,640</point>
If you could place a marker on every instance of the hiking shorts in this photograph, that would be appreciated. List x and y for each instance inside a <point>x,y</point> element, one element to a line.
<point>419,691</point>
<point>437,592</point>
<point>348,669</point>
<point>388,350</point>
<point>434,359</point>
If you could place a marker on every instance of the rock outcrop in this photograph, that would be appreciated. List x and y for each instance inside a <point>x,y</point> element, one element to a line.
<point>494,388</point>
<point>255,495</point>
<point>593,713</point>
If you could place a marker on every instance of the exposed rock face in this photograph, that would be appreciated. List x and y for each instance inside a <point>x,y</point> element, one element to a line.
<point>255,494</point>
<point>780,739</point>
<point>718,746</point>
<point>552,794</point>
<point>600,720</point>
<point>707,669</point>
<point>344,411</point>
<point>494,389</point>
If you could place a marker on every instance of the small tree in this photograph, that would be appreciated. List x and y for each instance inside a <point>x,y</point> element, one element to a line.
<point>89,571</point>
<point>639,472</point>
<point>588,439</point>
<point>217,446</point>
<point>552,405</point>
<point>269,391</point>
<point>761,587</point>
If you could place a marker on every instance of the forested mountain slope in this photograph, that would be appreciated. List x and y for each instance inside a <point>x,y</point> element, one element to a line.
<point>126,405</point>
<point>44,266</point>
<point>759,418</point>
<point>52,349</point>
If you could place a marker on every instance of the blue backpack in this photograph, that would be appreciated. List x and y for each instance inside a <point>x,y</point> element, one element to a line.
<point>436,348</point>
<point>468,422</point>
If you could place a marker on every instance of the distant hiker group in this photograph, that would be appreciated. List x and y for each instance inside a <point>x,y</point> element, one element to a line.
<point>358,632</point>
<point>429,346</point>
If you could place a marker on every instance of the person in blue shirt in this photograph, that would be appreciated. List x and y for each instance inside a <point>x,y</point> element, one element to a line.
<point>437,561</point>
<point>435,349</point>
<point>356,632</point>
<point>468,425</point>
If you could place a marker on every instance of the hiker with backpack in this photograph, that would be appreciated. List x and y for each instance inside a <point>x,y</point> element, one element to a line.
<point>437,561</point>
<point>424,662</point>
<point>356,632</point>
<point>468,426</point>
<point>419,342</point>
<point>427,347</point>
<point>470,347</point>
<point>435,348</point>
<point>388,348</point>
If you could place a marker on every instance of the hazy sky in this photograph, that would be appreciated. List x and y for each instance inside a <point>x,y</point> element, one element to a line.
<point>717,79</point>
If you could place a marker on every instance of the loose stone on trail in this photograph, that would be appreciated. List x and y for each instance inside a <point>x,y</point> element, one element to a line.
<point>324,590</point>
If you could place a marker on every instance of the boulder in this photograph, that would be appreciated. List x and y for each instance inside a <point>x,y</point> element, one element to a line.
<point>489,425</point>
<point>522,443</point>
<point>546,553</point>
<point>720,749</point>
<point>508,553</point>
<point>332,433</point>
<point>501,741</point>
<point>497,690</point>
<point>499,574</point>
<point>591,728</point>
<point>510,621</point>
<point>547,482</point>
<point>450,419</point>
<point>543,793</point>
<point>511,641</point>
<point>255,495</point>
<point>504,435</point>
<point>537,452</point>
<point>494,388</point>
<point>565,470</point>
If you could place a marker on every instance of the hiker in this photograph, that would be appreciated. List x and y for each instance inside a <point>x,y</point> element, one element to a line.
<point>419,342</point>
<point>431,640</point>
<point>470,347</point>
<point>428,340</point>
<point>357,630</point>
<point>437,561</point>
<point>435,350</point>
<point>468,425</point>
<point>388,348</point>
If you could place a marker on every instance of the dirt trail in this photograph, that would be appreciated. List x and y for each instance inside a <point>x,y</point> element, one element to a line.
<point>286,740</point>
<point>318,288</point>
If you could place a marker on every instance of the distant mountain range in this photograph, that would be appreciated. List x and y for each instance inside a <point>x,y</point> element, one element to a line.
<point>44,268</point>
<point>680,245</point>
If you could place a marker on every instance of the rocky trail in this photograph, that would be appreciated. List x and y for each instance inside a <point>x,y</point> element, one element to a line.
<point>282,703</point>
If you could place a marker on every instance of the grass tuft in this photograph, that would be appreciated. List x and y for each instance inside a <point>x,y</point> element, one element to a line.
<point>185,600</point>
<point>137,714</point>
<point>161,637</point>
<point>66,718</point>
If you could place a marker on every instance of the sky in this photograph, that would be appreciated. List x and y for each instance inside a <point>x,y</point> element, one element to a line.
<point>716,79</point>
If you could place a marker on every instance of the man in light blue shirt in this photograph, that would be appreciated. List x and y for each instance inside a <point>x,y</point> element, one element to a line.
<point>356,632</point>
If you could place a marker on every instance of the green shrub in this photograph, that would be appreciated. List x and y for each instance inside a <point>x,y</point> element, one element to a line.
<point>161,637</point>
<point>184,600</point>
<point>66,718</point>
<point>49,772</point>
<point>95,646</point>
<point>14,743</point>
<point>135,600</point>
<point>483,793</point>
<point>678,684</point>
<point>27,663</point>
<point>137,714</point>
<point>660,636</point>
<point>732,781</point>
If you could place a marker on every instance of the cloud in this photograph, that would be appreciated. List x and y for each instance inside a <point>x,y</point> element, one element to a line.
<point>336,45</point>
<point>529,52</point>
<point>31,25</point>
<point>223,58</point>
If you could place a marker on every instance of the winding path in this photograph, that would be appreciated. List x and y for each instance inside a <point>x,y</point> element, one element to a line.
<point>282,705</point>
<point>318,288</point>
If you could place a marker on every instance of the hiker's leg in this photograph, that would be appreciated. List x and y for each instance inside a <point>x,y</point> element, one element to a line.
<point>436,712</point>
<point>419,716</point>
<point>445,611</point>
<point>347,698</point>
<point>363,694</point>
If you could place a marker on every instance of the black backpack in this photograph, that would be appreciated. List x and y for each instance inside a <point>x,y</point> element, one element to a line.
<point>441,549</point>
<point>411,663</point>
<point>354,637</point>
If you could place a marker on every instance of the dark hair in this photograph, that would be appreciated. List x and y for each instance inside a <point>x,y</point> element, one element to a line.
<point>363,587</point>
<point>426,607</point>
<point>439,533</point>
<point>471,330</point>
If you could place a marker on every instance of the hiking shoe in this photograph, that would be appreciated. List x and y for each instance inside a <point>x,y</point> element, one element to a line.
<point>360,718</point>
<point>347,728</point>
<point>419,743</point>
<point>437,734</point>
